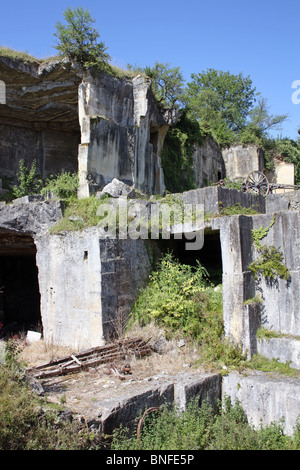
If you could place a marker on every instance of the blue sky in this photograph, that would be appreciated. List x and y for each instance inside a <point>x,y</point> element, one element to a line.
<point>258,38</point>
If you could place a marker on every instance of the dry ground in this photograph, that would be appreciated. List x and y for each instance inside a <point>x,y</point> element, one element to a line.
<point>81,392</point>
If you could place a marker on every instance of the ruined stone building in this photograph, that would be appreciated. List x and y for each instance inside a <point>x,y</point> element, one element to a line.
<point>78,283</point>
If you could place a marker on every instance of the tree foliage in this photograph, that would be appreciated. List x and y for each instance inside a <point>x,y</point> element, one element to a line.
<point>79,41</point>
<point>221,101</point>
<point>167,82</point>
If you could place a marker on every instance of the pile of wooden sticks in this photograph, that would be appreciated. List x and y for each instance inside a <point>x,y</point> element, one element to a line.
<point>119,350</point>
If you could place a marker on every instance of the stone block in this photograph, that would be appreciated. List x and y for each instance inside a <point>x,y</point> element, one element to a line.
<point>265,398</point>
<point>126,409</point>
<point>30,198</point>
<point>286,350</point>
<point>198,388</point>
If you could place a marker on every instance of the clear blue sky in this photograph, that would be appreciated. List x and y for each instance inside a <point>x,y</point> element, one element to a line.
<point>259,38</point>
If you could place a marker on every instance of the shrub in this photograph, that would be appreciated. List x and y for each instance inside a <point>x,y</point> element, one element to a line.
<point>29,181</point>
<point>169,297</point>
<point>64,185</point>
<point>182,300</point>
<point>198,428</point>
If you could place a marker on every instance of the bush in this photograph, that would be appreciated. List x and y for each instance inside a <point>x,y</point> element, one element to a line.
<point>198,428</point>
<point>64,185</point>
<point>169,297</point>
<point>29,181</point>
<point>182,300</point>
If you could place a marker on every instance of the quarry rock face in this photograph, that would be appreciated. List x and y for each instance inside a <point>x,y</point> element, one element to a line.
<point>122,134</point>
<point>82,284</point>
<point>40,118</point>
<point>104,127</point>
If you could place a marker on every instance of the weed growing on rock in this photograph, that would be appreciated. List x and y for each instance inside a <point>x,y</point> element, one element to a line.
<point>269,264</point>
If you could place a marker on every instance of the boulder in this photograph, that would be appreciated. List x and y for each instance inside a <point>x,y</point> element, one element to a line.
<point>117,189</point>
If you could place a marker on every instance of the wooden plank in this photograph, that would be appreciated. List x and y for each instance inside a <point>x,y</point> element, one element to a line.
<point>92,357</point>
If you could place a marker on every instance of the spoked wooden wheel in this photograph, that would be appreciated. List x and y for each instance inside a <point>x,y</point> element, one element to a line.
<point>257,183</point>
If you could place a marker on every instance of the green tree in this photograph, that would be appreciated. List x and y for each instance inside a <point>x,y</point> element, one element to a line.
<point>79,41</point>
<point>261,118</point>
<point>167,82</point>
<point>221,101</point>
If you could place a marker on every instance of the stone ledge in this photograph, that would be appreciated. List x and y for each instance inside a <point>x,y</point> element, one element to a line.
<point>283,349</point>
<point>166,390</point>
<point>28,199</point>
<point>265,398</point>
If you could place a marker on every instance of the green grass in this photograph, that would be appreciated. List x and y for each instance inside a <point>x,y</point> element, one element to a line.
<point>26,421</point>
<point>237,209</point>
<point>263,364</point>
<point>25,57</point>
<point>79,214</point>
<point>19,55</point>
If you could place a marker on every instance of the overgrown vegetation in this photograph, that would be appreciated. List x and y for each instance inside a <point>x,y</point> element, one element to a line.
<point>27,422</point>
<point>183,301</point>
<point>79,214</point>
<point>269,264</point>
<point>199,428</point>
<point>29,182</point>
<point>64,185</point>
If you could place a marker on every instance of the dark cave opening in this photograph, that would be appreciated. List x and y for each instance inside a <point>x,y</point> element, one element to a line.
<point>209,256</point>
<point>19,287</point>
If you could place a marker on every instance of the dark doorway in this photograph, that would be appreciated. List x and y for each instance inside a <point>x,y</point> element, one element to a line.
<point>210,256</point>
<point>19,297</point>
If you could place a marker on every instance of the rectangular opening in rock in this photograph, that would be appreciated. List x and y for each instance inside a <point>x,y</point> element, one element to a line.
<point>209,256</point>
<point>19,297</point>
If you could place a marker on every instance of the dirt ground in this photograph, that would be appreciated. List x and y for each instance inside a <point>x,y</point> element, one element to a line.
<point>81,392</point>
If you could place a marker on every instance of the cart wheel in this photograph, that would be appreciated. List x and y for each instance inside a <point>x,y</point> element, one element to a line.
<point>257,183</point>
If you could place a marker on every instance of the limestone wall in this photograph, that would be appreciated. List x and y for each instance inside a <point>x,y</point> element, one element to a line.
<point>240,161</point>
<point>208,164</point>
<point>122,134</point>
<point>279,309</point>
<point>88,285</point>
<point>66,120</point>
<point>265,398</point>
<point>39,120</point>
